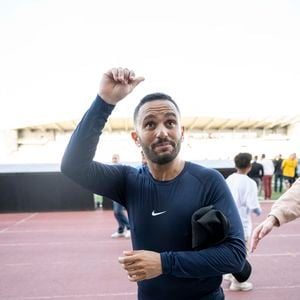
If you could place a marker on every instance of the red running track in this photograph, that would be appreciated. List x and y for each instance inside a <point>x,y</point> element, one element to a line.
<point>70,255</point>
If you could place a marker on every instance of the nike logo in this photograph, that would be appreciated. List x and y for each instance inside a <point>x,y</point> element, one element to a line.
<point>154,214</point>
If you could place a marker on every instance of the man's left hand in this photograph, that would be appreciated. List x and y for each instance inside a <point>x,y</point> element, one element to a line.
<point>141,265</point>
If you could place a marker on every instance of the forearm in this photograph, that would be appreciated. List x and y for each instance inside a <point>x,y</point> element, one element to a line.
<point>287,207</point>
<point>214,261</point>
<point>77,162</point>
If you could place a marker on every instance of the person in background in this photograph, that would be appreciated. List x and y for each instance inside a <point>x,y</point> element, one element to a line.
<point>289,167</point>
<point>278,178</point>
<point>123,223</point>
<point>268,175</point>
<point>284,210</point>
<point>244,192</point>
<point>160,199</point>
<point>256,173</point>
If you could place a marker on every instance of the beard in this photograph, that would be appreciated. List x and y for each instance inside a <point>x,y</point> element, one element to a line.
<point>161,158</point>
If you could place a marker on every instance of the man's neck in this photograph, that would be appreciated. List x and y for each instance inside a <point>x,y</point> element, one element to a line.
<point>167,171</point>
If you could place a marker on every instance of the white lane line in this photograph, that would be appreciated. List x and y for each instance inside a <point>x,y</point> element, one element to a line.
<point>276,254</point>
<point>272,287</point>
<point>93,262</point>
<point>283,235</point>
<point>102,295</point>
<point>19,264</point>
<point>91,243</point>
<point>107,261</point>
<point>19,222</point>
<point>81,230</point>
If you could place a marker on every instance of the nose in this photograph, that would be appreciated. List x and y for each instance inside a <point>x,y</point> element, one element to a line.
<point>161,131</point>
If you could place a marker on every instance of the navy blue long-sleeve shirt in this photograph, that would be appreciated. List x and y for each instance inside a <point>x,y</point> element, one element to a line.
<point>160,213</point>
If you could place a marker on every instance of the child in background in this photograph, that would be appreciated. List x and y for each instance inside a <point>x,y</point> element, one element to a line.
<point>244,192</point>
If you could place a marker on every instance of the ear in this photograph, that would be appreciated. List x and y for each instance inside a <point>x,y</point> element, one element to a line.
<point>135,138</point>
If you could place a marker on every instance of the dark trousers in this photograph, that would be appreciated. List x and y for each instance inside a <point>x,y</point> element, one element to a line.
<point>120,217</point>
<point>278,179</point>
<point>258,183</point>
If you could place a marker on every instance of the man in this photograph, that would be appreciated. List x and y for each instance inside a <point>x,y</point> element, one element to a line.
<point>289,167</point>
<point>278,173</point>
<point>256,173</point>
<point>268,175</point>
<point>160,198</point>
<point>123,224</point>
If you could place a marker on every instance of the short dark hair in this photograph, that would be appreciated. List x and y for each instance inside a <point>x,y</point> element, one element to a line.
<point>153,97</point>
<point>242,160</point>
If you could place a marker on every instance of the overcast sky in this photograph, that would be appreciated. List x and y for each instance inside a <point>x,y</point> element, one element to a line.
<point>217,58</point>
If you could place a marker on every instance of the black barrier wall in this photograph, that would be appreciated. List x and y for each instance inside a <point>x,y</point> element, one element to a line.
<point>27,189</point>
<point>226,171</point>
<point>39,192</point>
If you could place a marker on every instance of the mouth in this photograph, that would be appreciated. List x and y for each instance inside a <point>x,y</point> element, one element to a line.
<point>163,146</point>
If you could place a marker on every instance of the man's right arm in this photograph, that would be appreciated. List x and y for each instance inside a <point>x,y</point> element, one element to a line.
<point>78,162</point>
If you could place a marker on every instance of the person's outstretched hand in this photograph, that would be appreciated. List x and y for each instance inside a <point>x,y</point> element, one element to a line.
<point>262,230</point>
<point>117,83</point>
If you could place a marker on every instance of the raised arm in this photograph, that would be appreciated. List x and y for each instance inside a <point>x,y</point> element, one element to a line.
<point>77,162</point>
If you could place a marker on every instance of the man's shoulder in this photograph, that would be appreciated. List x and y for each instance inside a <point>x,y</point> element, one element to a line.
<point>125,168</point>
<point>200,171</point>
<point>194,166</point>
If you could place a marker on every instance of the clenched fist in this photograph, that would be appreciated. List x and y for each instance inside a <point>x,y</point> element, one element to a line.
<point>117,83</point>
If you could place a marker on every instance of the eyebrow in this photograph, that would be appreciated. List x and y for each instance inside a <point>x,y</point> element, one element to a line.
<point>153,116</point>
<point>170,114</point>
<point>150,116</point>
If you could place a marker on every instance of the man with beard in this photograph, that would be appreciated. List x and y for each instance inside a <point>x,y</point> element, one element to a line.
<point>160,197</point>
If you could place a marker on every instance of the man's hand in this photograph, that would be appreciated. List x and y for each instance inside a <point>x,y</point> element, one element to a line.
<point>141,265</point>
<point>117,83</point>
<point>262,230</point>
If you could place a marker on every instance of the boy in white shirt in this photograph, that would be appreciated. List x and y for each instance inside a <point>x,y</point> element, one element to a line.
<point>244,192</point>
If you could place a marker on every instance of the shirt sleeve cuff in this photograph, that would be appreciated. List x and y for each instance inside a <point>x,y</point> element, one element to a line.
<point>166,262</point>
<point>277,217</point>
<point>104,105</point>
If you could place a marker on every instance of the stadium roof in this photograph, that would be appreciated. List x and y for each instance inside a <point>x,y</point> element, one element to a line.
<point>203,123</point>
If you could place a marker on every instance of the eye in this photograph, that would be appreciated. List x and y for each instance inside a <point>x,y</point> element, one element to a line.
<point>149,125</point>
<point>171,123</point>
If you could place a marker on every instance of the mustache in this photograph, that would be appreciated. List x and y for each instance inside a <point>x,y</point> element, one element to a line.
<point>161,141</point>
